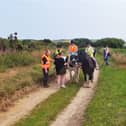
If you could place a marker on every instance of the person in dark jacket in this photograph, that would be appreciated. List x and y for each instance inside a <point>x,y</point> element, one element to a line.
<point>60,65</point>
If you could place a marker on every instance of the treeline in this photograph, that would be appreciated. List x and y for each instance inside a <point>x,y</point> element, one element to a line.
<point>29,45</point>
<point>20,45</point>
<point>111,42</point>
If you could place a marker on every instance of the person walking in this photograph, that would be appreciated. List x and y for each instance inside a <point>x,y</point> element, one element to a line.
<point>46,64</point>
<point>106,55</point>
<point>60,65</point>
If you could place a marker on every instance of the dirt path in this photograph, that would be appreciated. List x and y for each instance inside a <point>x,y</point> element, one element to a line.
<point>73,114</point>
<point>25,105</point>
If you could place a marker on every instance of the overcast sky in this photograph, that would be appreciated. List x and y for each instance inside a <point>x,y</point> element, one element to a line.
<point>58,19</point>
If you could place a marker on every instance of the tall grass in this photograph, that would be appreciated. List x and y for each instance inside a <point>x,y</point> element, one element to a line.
<point>15,59</point>
<point>122,51</point>
<point>119,56</point>
<point>29,77</point>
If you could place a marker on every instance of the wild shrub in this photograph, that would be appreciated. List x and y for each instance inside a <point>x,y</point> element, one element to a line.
<point>15,59</point>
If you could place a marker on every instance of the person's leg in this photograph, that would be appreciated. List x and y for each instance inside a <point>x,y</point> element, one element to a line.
<point>94,62</point>
<point>91,77</point>
<point>45,78</point>
<point>84,73</point>
<point>70,72</point>
<point>107,61</point>
<point>63,80</point>
<point>59,80</point>
<point>77,76</point>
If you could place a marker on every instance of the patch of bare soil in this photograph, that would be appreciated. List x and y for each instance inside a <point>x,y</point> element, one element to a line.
<point>73,114</point>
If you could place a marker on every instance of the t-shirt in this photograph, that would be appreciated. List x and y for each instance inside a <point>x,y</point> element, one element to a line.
<point>59,64</point>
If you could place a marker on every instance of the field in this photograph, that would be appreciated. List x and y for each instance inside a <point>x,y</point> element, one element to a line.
<point>107,108</point>
<point>108,105</point>
<point>119,56</point>
<point>20,73</point>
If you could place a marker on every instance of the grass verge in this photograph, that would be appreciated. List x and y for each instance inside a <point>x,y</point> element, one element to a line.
<point>108,108</point>
<point>31,76</point>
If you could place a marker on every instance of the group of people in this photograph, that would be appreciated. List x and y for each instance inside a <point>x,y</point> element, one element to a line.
<point>61,62</point>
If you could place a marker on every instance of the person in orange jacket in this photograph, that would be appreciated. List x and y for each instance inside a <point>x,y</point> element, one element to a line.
<point>72,49</point>
<point>46,64</point>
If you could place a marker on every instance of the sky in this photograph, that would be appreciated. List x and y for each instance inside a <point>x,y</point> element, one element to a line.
<point>63,19</point>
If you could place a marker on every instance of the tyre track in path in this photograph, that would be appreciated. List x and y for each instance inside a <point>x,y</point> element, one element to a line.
<point>25,105</point>
<point>73,114</point>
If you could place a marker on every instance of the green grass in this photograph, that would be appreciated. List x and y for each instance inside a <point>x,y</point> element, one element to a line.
<point>45,112</point>
<point>15,59</point>
<point>108,107</point>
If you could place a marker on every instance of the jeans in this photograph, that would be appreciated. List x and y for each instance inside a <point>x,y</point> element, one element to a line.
<point>106,59</point>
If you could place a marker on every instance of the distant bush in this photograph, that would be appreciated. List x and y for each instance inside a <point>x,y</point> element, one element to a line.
<point>4,44</point>
<point>63,44</point>
<point>26,44</point>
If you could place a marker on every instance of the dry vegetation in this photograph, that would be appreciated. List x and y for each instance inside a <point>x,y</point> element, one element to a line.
<point>119,56</point>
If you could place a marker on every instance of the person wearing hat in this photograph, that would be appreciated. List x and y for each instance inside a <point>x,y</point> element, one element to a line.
<point>58,50</point>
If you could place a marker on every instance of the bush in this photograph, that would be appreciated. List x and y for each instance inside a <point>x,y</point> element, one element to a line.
<point>4,44</point>
<point>82,42</point>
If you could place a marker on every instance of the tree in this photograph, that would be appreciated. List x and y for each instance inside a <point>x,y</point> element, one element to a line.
<point>111,42</point>
<point>47,41</point>
<point>82,42</point>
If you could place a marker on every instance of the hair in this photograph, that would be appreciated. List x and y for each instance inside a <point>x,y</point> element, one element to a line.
<point>47,51</point>
<point>72,41</point>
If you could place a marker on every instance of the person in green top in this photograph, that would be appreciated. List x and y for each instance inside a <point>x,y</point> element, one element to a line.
<point>90,51</point>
